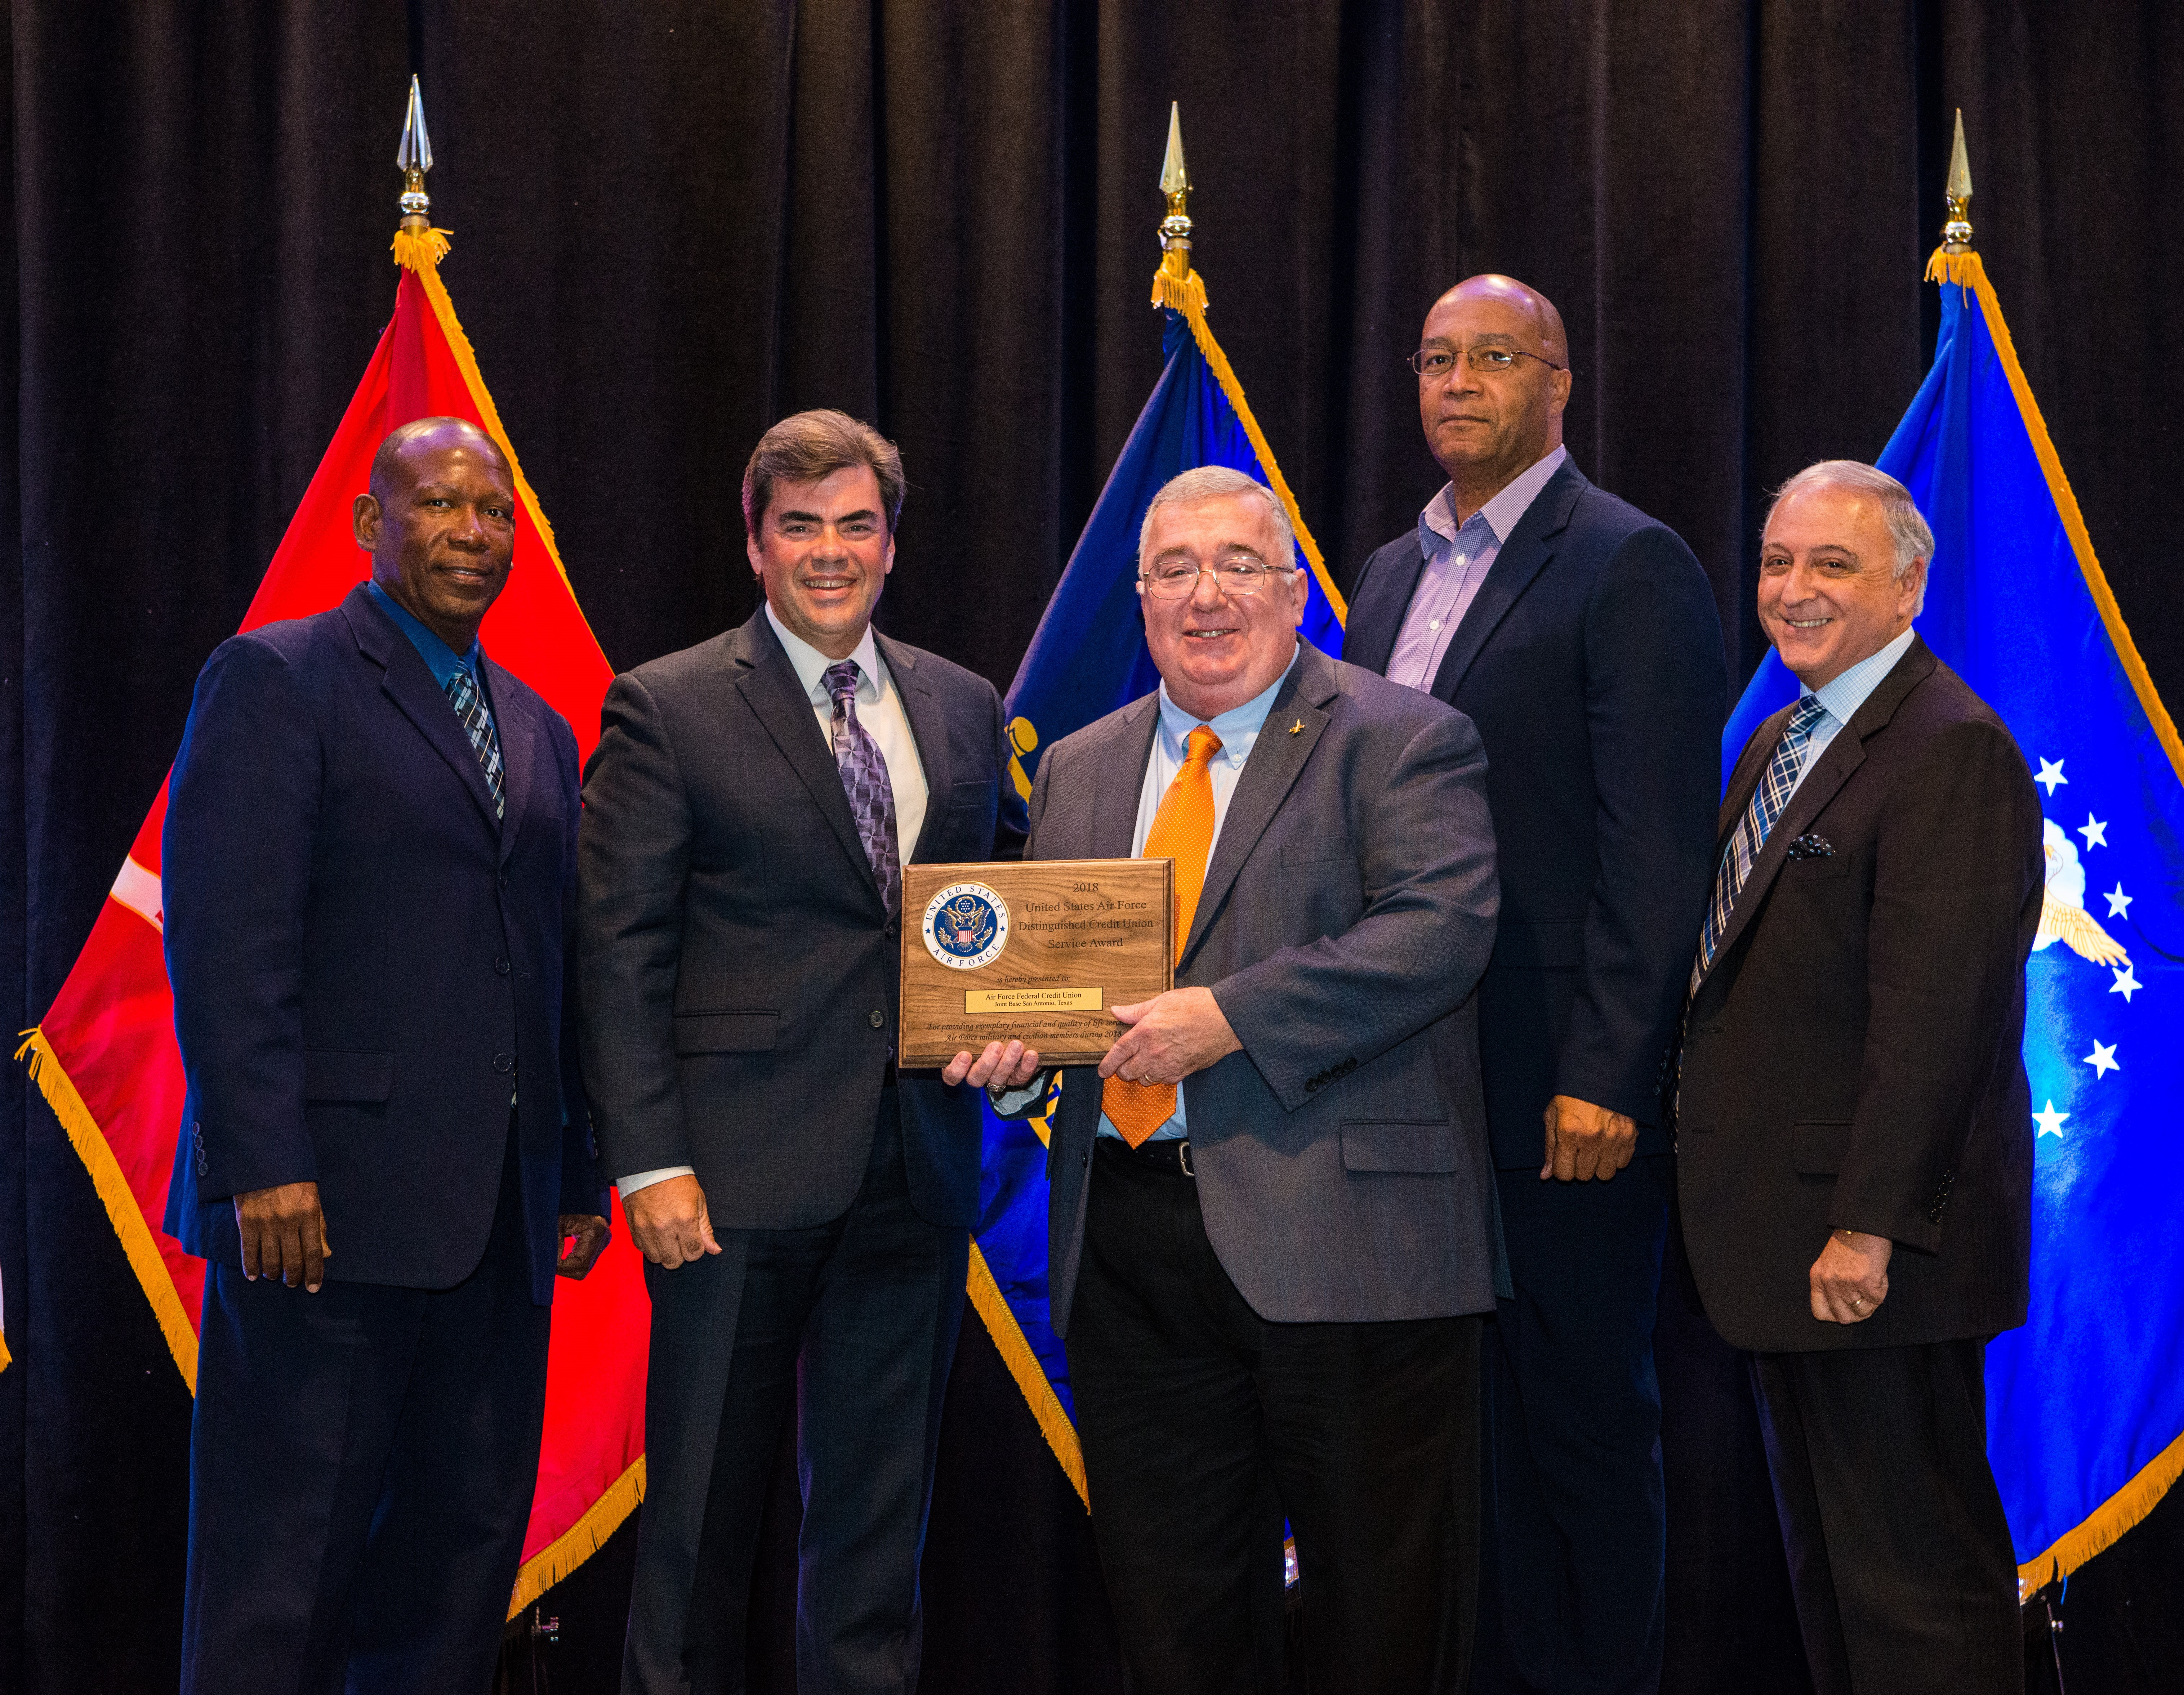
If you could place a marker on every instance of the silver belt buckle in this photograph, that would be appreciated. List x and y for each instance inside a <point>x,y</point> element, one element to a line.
<point>1183,1153</point>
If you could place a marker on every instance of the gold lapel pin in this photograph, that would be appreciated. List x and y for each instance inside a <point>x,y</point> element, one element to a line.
<point>1297,726</point>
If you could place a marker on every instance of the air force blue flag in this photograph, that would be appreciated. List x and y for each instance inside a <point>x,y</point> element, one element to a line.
<point>2085,1402</point>
<point>1088,658</point>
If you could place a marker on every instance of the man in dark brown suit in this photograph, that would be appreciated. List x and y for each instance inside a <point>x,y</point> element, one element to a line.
<point>1855,1152</point>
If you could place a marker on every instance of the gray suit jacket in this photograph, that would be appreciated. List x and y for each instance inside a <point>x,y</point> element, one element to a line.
<point>1348,912</point>
<point>738,969</point>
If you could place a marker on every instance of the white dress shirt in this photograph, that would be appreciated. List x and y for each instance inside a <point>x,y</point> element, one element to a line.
<point>879,709</point>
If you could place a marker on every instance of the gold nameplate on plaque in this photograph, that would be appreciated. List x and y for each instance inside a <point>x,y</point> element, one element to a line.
<point>1038,951</point>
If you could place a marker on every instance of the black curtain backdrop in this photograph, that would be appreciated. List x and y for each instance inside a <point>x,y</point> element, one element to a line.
<point>674,223</point>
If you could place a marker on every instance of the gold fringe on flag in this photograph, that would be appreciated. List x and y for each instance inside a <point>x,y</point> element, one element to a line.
<point>580,1541</point>
<point>121,1210</point>
<point>420,250</point>
<point>1031,1376</point>
<point>1187,295</point>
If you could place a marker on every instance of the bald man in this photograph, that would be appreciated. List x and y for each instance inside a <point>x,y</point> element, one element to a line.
<point>369,876</point>
<point>1580,636</point>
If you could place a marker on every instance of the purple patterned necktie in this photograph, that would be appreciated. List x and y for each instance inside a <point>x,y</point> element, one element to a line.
<point>865,780</point>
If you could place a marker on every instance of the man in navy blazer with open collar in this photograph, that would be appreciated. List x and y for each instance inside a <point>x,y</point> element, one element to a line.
<point>805,1210</point>
<point>1580,636</point>
<point>368,949</point>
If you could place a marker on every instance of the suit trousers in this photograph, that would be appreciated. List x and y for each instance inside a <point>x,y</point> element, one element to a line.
<point>852,1323</point>
<point>362,1462</point>
<point>1900,1556</point>
<point>1203,1423</point>
<point>1576,1516</point>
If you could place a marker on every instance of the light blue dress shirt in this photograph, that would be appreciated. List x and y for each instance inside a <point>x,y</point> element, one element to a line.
<point>1457,559</point>
<point>1238,730</point>
<point>1841,699</point>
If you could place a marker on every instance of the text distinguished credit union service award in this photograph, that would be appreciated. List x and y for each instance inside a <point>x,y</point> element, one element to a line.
<point>1037,951</point>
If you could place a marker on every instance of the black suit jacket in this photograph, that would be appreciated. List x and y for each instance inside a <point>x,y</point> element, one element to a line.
<point>365,961</point>
<point>1590,660</point>
<point>739,970</point>
<point>1853,1059</point>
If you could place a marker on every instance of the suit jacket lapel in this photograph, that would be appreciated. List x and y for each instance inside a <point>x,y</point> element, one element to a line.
<point>1277,757</point>
<point>521,734</point>
<point>1119,778</point>
<point>1821,784</point>
<point>1522,557</point>
<point>1376,617</point>
<point>408,684</point>
<point>769,685</point>
<point>928,725</point>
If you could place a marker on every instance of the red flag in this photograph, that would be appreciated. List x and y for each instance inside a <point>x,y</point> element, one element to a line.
<point>105,1057</point>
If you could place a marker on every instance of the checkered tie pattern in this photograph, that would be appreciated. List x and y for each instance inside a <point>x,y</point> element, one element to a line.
<point>1183,831</point>
<point>1767,801</point>
<point>865,780</point>
<point>469,707</point>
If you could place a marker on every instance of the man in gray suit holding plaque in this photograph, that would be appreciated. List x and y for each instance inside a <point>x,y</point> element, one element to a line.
<point>1272,1227</point>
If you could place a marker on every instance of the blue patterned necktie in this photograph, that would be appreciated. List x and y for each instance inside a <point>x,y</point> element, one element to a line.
<point>1767,801</point>
<point>865,780</point>
<point>469,707</point>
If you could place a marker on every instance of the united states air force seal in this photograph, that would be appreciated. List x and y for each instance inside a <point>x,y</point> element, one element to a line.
<point>965,925</point>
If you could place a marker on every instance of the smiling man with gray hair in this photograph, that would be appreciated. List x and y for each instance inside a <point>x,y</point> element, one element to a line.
<point>1855,1158</point>
<point>1271,1216</point>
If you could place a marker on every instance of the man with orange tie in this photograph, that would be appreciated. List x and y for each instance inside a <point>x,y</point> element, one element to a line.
<point>1271,1225</point>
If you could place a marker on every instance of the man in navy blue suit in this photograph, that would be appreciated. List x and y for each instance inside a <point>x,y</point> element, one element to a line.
<point>1580,636</point>
<point>370,876</point>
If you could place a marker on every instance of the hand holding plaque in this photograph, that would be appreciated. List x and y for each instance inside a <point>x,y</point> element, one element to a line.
<point>1037,952</point>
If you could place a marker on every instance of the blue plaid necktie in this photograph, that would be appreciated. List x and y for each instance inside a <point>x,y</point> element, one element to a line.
<point>1767,801</point>
<point>469,707</point>
<point>865,780</point>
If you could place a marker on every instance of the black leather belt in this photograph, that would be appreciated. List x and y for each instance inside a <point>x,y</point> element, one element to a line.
<point>1170,1155</point>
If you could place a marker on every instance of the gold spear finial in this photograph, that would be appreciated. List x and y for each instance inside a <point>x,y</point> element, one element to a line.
<point>414,157</point>
<point>1957,232</point>
<point>1175,183</point>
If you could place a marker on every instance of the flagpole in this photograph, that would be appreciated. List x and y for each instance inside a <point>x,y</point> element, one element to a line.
<point>417,245</point>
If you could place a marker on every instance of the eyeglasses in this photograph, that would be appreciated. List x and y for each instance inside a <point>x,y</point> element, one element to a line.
<point>1237,574</point>
<point>1434,362</point>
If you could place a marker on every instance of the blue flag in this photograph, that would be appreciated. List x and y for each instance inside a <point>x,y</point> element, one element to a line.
<point>2086,1401</point>
<point>1088,658</point>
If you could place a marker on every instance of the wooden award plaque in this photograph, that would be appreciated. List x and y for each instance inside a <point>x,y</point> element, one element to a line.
<point>1037,951</point>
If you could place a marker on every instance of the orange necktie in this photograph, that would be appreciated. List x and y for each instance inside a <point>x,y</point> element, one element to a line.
<point>1183,831</point>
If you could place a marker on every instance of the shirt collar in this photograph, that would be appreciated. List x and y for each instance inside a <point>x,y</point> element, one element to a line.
<point>1238,727</point>
<point>443,661</point>
<point>1501,514</point>
<point>811,664</point>
<point>1847,692</point>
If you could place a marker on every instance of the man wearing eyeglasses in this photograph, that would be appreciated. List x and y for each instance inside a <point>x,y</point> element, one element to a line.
<point>1580,636</point>
<point>1271,1214</point>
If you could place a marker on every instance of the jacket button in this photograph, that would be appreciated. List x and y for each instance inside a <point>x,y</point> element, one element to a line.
<point>877,1019</point>
<point>504,880</point>
<point>203,1164</point>
<point>505,1064</point>
<point>500,966</point>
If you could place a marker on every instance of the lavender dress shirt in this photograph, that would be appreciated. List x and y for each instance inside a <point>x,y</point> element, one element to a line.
<point>1458,558</point>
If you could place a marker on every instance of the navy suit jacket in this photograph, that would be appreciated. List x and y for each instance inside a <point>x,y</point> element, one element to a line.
<point>366,962</point>
<point>740,971</point>
<point>1591,662</point>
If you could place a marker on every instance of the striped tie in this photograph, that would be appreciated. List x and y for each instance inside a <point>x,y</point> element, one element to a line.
<point>470,707</point>
<point>1767,801</point>
<point>1183,831</point>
